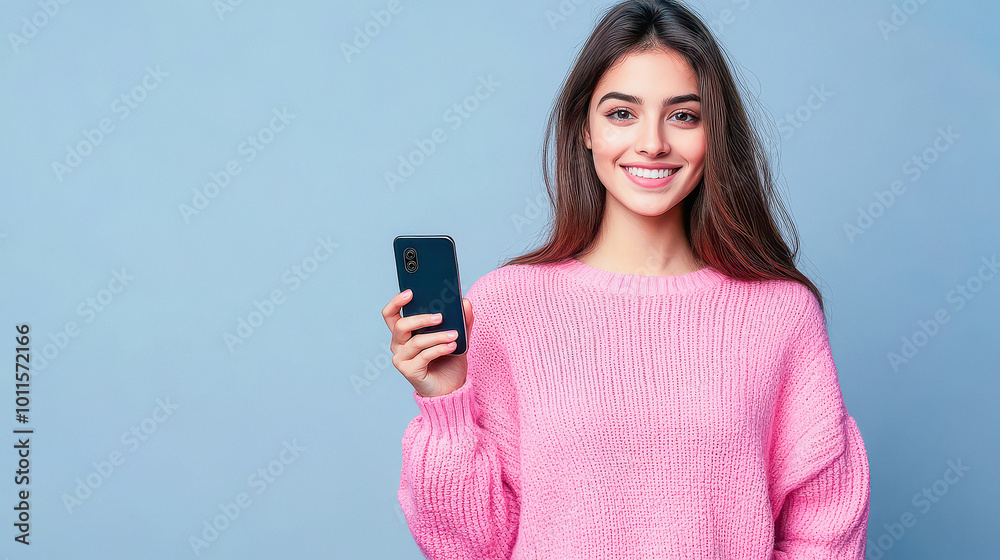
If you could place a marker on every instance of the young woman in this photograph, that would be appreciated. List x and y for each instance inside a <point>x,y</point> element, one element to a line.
<point>656,381</point>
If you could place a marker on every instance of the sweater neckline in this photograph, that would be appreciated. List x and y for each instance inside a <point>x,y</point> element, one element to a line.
<point>637,284</point>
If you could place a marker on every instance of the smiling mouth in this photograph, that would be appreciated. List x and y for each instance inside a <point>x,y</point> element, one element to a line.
<point>644,173</point>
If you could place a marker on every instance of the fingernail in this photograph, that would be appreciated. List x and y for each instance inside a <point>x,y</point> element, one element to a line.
<point>407,293</point>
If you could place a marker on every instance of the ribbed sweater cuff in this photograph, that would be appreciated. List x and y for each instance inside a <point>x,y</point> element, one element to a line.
<point>455,410</point>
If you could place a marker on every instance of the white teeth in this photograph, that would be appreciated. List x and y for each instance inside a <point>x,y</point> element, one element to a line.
<point>651,173</point>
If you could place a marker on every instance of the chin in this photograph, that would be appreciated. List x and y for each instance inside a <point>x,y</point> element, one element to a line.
<point>651,213</point>
<point>651,208</point>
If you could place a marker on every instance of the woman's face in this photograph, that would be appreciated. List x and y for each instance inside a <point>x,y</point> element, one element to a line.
<point>645,118</point>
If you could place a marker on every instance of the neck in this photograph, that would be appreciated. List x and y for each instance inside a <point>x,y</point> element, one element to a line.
<point>631,243</point>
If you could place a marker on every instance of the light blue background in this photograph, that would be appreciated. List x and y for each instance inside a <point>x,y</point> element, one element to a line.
<point>322,176</point>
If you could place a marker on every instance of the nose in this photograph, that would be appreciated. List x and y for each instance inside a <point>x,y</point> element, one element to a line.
<point>652,140</point>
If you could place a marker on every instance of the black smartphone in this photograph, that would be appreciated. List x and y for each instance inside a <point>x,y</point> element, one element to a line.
<point>428,265</point>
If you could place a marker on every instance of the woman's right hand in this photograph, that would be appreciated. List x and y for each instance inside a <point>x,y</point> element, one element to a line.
<point>423,359</point>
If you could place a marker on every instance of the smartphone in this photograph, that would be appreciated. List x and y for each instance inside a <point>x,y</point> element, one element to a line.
<point>428,265</point>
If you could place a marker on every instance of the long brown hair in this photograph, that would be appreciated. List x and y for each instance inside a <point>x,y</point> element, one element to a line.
<point>729,216</point>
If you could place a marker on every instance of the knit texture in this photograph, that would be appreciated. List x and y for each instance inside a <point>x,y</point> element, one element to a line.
<point>620,416</point>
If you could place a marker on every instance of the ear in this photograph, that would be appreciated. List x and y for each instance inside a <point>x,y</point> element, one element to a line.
<point>586,135</point>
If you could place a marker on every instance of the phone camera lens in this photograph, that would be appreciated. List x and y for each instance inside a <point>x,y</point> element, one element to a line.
<point>410,256</point>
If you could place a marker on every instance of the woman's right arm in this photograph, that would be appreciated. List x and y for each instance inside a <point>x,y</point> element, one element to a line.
<point>459,484</point>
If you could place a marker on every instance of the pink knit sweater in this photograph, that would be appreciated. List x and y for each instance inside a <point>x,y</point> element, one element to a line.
<point>620,416</point>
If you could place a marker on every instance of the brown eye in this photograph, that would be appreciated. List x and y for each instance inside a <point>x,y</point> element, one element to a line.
<point>689,117</point>
<point>619,114</point>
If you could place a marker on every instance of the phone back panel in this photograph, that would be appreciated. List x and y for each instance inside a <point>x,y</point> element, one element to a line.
<point>428,265</point>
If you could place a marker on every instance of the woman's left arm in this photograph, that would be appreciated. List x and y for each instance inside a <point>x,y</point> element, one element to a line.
<point>818,473</point>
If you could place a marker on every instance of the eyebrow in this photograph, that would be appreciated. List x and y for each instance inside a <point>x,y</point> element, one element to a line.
<point>675,100</point>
